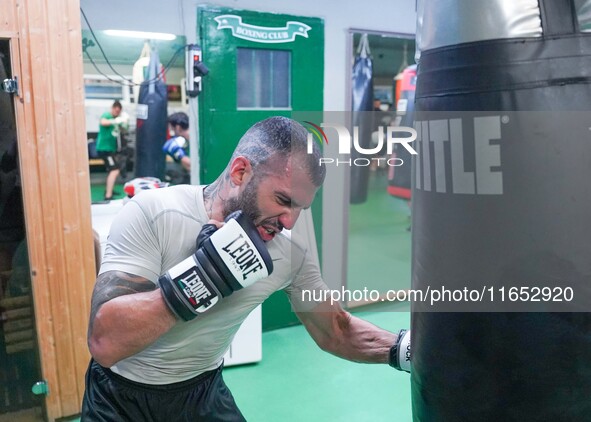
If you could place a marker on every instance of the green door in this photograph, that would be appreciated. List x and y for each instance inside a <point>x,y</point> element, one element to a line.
<point>260,65</point>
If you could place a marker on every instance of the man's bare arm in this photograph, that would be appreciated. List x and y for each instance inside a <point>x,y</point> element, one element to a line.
<point>127,314</point>
<point>342,334</point>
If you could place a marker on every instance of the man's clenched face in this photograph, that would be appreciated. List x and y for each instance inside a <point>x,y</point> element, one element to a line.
<point>274,197</point>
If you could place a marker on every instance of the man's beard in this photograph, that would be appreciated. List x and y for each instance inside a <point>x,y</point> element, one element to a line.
<point>246,201</point>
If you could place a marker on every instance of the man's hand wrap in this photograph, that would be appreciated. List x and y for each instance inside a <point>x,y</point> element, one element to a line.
<point>400,352</point>
<point>226,260</point>
<point>175,147</point>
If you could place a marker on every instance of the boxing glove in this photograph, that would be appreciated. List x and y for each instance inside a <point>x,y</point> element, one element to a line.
<point>119,120</point>
<point>175,147</point>
<point>226,260</point>
<point>400,352</point>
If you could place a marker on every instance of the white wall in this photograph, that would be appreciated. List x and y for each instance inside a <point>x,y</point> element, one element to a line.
<point>179,17</point>
<point>173,75</point>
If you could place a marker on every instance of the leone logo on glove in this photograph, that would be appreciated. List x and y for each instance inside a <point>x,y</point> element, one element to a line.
<point>195,288</point>
<point>237,249</point>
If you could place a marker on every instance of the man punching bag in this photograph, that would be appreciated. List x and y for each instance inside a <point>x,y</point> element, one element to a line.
<point>501,212</point>
<point>151,122</point>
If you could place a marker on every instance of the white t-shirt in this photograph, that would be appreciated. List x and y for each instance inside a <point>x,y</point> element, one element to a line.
<point>156,230</point>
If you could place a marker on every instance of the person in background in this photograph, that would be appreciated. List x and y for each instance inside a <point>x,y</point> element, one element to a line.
<point>178,148</point>
<point>377,104</point>
<point>108,145</point>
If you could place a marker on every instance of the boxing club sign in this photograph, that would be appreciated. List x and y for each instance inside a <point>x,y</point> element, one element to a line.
<point>262,34</point>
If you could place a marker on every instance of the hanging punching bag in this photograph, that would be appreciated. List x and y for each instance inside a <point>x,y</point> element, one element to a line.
<point>362,119</point>
<point>501,208</point>
<point>151,123</point>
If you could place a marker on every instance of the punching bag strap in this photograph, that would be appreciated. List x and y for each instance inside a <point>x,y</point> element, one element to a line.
<point>153,70</point>
<point>559,17</point>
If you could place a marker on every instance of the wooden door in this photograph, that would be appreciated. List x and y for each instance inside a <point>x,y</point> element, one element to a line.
<point>46,56</point>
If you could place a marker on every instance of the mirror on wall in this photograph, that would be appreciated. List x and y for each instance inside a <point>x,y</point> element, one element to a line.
<point>379,241</point>
<point>113,67</point>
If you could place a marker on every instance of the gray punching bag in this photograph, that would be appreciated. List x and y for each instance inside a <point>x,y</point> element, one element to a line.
<point>502,207</point>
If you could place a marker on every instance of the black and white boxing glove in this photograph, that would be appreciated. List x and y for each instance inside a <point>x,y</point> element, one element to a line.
<point>400,352</point>
<point>226,260</point>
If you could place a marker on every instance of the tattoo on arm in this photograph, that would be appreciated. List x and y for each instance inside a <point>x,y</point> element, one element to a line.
<point>113,284</point>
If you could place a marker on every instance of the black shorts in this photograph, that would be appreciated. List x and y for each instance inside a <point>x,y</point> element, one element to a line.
<point>111,397</point>
<point>112,160</point>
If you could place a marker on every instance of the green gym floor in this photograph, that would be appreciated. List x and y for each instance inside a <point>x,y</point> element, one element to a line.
<point>296,381</point>
<point>97,192</point>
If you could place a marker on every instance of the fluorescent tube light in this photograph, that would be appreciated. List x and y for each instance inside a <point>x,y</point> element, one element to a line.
<point>140,34</point>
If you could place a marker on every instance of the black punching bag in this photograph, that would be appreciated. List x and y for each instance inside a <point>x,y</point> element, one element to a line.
<point>502,212</point>
<point>151,123</point>
<point>362,119</point>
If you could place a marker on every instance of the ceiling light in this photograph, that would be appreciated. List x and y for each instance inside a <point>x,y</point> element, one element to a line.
<point>140,34</point>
